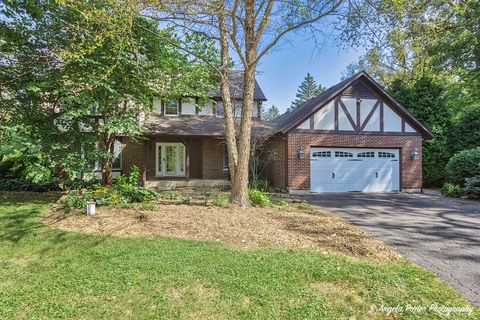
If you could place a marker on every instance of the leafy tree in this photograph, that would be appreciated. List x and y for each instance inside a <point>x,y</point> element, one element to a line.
<point>307,90</point>
<point>249,30</point>
<point>465,133</point>
<point>270,113</point>
<point>425,99</point>
<point>410,41</point>
<point>93,71</point>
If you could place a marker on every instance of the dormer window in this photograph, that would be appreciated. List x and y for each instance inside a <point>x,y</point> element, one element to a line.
<point>171,108</point>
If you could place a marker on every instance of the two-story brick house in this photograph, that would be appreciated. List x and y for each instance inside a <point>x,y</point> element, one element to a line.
<point>352,137</point>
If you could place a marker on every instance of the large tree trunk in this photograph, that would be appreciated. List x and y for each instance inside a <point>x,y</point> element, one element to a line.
<point>107,177</point>
<point>240,183</point>
<point>107,142</point>
<point>229,121</point>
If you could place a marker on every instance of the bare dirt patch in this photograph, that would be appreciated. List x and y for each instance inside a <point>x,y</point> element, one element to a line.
<point>248,228</point>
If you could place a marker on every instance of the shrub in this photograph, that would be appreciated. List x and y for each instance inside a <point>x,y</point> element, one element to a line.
<point>304,206</point>
<point>463,165</point>
<point>260,184</point>
<point>220,200</point>
<point>258,197</point>
<point>75,200</point>
<point>137,194</point>
<point>26,185</point>
<point>186,200</point>
<point>472,187</point>
<point>79,184</point>
<point>123,193</point>
<point>451,190</point>
<point>284,204</point>
<point>205,195</point>
<point>170,195</point>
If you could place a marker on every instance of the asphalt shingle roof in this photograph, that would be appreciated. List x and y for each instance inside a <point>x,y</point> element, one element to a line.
<point>196,126</point>
<point>236,87</point>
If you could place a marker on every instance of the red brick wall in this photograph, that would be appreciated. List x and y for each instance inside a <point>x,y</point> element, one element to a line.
<point>202,151</point>
<point>274,154</point>
<point>132,154</point>
<point>298,176</point>
<point>212,158</point>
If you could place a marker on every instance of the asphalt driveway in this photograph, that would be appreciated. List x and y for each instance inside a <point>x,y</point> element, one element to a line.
<point>440,234</point>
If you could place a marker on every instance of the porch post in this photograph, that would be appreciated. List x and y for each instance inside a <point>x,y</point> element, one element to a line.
<point>187,160</point>
<point>144,169</point>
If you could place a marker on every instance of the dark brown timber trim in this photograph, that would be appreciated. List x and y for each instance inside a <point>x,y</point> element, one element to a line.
<point>370,115</point>
<point>349,117</point>
<point>381,116</point>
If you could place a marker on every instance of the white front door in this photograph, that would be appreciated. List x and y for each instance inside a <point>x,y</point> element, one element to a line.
<point>170,159</point>
<point>354,169</point>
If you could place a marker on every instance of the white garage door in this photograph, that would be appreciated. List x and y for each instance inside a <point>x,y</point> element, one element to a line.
<point>348,169</point>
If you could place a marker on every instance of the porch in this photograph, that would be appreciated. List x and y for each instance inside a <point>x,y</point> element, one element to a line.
<point>169,162</point>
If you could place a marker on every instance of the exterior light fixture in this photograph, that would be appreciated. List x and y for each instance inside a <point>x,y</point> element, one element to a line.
<point>301,154</point>
<point>414,154</point>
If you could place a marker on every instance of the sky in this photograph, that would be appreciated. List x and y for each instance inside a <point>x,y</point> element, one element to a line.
<point>281,72</point>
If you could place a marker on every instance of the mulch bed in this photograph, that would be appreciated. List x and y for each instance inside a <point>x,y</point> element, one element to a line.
<point>247,228</point>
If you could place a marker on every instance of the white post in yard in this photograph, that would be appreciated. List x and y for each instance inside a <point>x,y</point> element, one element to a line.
<point>90,208</point>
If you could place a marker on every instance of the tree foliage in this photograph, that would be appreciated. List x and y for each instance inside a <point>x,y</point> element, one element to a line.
<point>412,48</point>
<point>270,113</point>
<point>307,90</point>
<point>425,99</point>
<point>85,72</point>
<point>245,31</point>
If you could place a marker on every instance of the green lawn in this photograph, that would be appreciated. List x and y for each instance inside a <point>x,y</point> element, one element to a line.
<point>46,273</point>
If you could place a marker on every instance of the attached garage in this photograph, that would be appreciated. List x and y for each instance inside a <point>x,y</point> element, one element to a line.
<point>354,169</point>
<point>353,137</point>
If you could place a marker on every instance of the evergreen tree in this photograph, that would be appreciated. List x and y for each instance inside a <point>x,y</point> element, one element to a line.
<point>270,113</point>
<point>307,90</point>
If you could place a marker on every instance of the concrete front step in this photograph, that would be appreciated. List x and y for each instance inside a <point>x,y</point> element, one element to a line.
<point>164,185</point>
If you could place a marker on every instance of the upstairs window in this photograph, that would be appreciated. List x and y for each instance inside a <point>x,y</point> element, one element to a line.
<point>171,108</point>
<point>206,109</point>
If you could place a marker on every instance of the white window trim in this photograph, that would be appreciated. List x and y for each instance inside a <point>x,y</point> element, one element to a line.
<point>188,100</point>
<point>160,172</point>
<point>164,104</point>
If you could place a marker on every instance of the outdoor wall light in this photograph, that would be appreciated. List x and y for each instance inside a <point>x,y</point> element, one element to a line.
<point>414,154</point>
<point>301,154</point>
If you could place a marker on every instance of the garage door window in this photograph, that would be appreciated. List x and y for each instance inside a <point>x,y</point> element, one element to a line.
<point>322,154</point>
<point>369,154</point>
<point>386,155</point>
<point>343,154</point>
